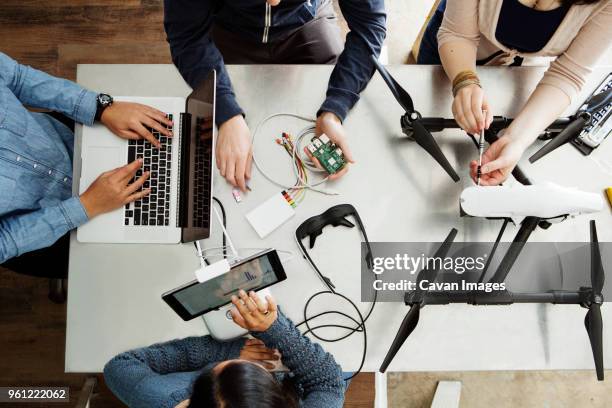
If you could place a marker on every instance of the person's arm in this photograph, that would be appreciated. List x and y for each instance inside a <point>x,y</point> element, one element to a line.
<point>315,371</point>
<point>38,229</point>
<point>458,39</point>
<point>40,90</point>
<point>129,374</point>
<point>33,230</point>
<point>561,83</point>
<point>188,24</point>
<point>367,24</point>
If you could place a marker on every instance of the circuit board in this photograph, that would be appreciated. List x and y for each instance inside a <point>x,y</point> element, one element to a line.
<point>329,155</point>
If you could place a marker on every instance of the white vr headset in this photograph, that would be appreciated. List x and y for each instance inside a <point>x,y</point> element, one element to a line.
<point>547,201</point>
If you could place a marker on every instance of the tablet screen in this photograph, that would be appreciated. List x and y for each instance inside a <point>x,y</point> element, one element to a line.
<point>199,298</point>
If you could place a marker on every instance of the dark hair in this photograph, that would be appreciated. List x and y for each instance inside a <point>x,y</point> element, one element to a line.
<point>242,385</point>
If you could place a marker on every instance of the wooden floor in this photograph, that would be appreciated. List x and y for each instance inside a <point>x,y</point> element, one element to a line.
<point>55,36</point>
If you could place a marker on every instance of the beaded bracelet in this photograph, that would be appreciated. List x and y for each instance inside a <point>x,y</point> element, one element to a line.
<point>463,75</point>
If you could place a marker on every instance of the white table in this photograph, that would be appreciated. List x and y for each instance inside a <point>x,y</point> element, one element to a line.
<point>114,291</point>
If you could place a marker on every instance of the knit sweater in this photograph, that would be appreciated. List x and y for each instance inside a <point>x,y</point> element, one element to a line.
<point>162,375</point>
<point>575,47</point>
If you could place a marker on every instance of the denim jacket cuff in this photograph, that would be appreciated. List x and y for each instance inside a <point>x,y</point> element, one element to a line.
<point>85,108</point>
<point>74,212</point>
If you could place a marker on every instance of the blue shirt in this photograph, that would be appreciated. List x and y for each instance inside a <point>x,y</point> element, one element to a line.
<point>188,24</point>
<point>36,203</point>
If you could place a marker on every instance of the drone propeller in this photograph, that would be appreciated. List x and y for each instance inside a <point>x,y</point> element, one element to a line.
<point>576,126</point>
<point>416,302</point>
<point>593,321</point>
<point>568,134</point>
<point>412,120</point>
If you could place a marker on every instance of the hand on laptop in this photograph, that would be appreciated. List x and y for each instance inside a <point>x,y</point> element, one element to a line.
<point>251,313</point>
<point>234,152</point>
<point>331,125</point>
<point>255,350</point>
<point>112,189</point>
<point>130,120</point>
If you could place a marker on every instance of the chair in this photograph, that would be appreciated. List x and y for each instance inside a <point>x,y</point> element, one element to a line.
<point>414,54</point>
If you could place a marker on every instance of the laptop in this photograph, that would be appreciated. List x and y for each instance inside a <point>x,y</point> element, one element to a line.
<point>178,209</point>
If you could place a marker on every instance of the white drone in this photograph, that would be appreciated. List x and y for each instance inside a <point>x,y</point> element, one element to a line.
<point>547,201</point>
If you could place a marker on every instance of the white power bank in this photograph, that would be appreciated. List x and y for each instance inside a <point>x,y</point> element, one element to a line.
<point>270,215</point>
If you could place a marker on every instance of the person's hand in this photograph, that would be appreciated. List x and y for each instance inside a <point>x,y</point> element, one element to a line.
<point>498,161</point>
<point>256,351</point>
<point>468,105</point>
<point>128,120</point>
<point>112,189</point>
<point>234,152</point>
<point>251,313</point>
<point>331,125</point>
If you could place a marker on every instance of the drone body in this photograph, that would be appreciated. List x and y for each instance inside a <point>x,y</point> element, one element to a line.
<point>544,201</point>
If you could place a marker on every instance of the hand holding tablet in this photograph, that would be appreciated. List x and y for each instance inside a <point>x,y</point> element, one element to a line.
<point>252,313</point>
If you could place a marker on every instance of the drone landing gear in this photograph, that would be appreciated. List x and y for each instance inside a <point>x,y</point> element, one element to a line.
<point>588,297</point>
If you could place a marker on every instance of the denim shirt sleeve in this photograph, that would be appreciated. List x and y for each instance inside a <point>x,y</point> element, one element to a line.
<point>188,24</point>
<point>136,375</point>
<point>366,20</point>
<point>39,229</point>
<point>40,90</point>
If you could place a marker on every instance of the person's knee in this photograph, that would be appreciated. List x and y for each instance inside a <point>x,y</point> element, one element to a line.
<point>324,42</point>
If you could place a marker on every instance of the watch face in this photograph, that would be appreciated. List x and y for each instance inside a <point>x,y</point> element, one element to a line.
<point>105,99</point>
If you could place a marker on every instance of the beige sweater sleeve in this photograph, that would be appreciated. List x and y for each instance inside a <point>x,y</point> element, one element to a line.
<point>460,22</point>
<point>570,69</point>
<point>567,72</point>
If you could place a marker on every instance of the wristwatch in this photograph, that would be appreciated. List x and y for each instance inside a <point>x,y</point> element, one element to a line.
<point>103,101</point>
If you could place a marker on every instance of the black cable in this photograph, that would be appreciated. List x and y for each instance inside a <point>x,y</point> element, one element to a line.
<point>224,217</point>
<point>359,322</point>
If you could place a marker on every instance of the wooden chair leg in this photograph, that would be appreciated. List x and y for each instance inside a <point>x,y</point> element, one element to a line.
<point>57,290</point>
<point>86,392</point>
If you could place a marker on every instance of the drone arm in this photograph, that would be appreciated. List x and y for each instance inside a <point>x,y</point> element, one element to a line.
<point>527,227</point>
<point>502,297</point>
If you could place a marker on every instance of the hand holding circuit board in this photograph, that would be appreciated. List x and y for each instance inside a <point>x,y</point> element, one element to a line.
<point>329,156</point>
<point>330,125</point>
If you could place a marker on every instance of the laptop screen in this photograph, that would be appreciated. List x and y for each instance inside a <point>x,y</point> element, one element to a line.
<point>198,155</point>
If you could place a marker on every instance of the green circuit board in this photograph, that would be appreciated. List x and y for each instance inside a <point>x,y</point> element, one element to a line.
<point>329,155</point>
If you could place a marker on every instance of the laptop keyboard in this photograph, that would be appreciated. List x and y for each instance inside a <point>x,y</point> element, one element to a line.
<point>201,185</point>
<point>154,209</point>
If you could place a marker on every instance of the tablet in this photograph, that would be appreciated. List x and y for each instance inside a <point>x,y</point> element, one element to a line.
<point>253,273</point>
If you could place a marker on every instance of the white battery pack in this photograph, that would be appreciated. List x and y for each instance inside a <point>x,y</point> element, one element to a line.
<point>270,215</point>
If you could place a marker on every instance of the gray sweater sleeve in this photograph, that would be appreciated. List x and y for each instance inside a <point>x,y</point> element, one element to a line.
<point>316,373</point>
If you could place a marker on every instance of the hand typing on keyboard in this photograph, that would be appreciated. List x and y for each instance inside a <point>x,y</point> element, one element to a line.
<point>133,121</point>
<point>114,189</point>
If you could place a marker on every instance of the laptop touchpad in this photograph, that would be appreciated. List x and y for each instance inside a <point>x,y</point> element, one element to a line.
<point>99,160</point>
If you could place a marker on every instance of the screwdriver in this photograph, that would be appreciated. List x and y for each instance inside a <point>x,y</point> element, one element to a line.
<point>480,152</point>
